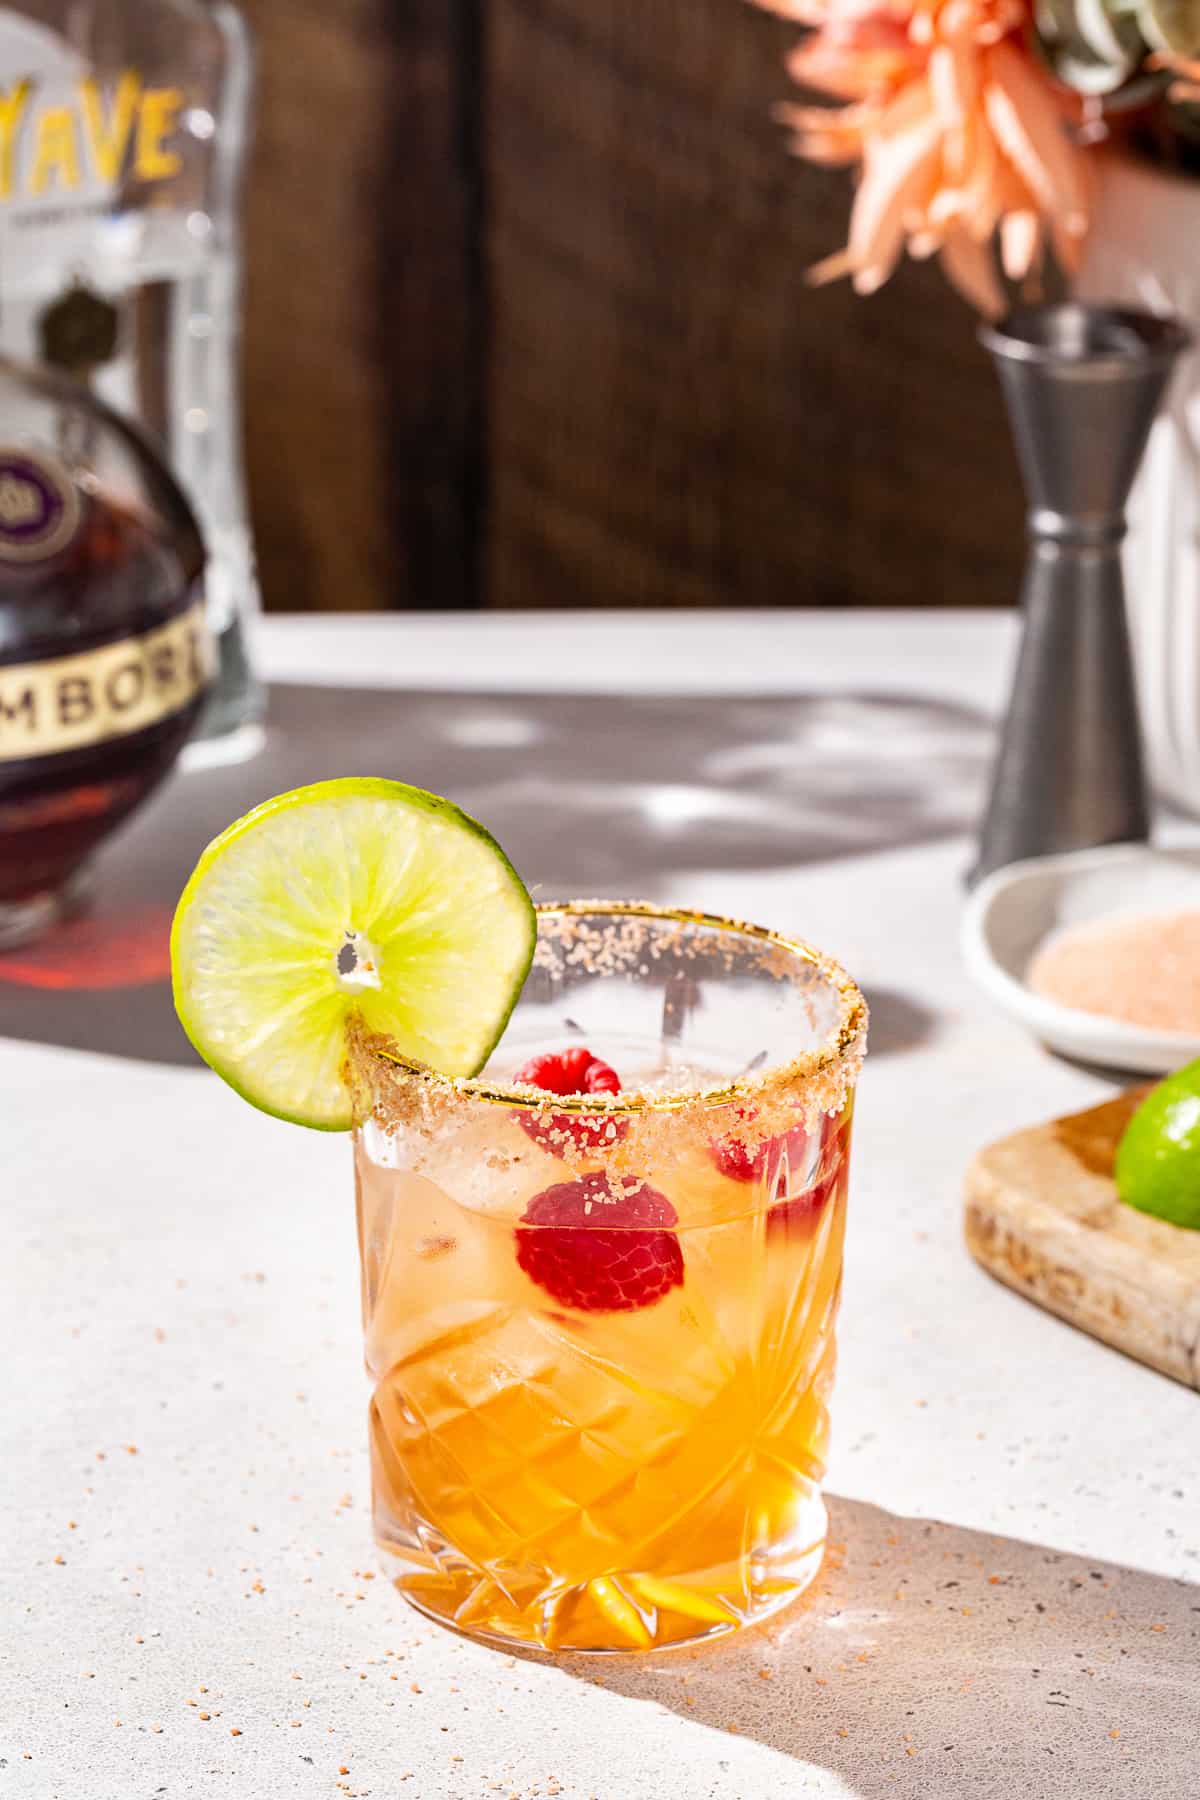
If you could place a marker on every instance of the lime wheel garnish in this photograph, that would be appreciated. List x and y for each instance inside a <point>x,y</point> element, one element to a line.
<point>353,897</point>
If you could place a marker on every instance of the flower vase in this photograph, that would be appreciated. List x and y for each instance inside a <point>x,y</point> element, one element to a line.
<point>1143,251</point>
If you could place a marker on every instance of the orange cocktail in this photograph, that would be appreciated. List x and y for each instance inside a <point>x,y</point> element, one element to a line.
<point>600,1286</point>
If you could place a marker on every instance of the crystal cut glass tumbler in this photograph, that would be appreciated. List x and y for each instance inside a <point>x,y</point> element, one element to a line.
<point>600,1328</point>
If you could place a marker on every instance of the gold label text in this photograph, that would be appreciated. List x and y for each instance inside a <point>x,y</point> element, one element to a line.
<point>69,702</point>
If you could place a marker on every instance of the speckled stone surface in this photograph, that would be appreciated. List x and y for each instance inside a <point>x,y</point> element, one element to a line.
<point>187,1585</point>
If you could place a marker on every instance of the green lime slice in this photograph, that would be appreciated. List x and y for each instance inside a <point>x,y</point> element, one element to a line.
<point>1158,1158</point>
<point>354,896</point>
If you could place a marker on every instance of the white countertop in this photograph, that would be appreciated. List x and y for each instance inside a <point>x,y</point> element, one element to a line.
<point>184,1506</point>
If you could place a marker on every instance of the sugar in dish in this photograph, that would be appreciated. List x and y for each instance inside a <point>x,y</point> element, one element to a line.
<point>1142,969</point>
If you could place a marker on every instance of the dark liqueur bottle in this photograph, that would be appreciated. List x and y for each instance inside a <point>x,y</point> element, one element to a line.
<point>105,656</point>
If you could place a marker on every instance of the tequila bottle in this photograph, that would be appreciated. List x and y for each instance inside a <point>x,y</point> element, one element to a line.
<point>122,130</point>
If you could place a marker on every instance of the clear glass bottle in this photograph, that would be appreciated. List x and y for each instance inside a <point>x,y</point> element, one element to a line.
<point>122,131</point>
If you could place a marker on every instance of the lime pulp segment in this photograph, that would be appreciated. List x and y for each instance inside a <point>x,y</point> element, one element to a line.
<point>353,896</point>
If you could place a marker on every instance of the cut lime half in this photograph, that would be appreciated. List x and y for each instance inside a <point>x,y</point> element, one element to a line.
<point>1158,1158</point>
<point>354,896</point>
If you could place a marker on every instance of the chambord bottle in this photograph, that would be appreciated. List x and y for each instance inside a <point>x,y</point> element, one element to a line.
<point>122,130</point>
<point>105,656</point>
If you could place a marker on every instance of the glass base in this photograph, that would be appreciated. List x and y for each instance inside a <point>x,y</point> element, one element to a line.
<point>237,746</point>
<point>614,1614</point>
<point>235,705</point>
<point>23,920</point>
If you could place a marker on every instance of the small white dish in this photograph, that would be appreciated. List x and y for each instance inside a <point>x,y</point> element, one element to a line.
<point>1013,911</point>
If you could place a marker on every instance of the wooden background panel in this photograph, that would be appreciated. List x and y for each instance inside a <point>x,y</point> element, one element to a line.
<point>360,385</point>
<point>527,326</point>
<point>674,417</point>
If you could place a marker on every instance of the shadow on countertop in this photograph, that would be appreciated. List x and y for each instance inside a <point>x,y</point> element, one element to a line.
<point>930,1662</point>
<point>590,794</point>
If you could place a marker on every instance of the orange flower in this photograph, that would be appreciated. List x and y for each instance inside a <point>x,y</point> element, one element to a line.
<point>961,140</point>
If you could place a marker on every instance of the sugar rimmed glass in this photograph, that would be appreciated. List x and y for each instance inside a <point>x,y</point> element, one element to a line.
<point>600,1329</point>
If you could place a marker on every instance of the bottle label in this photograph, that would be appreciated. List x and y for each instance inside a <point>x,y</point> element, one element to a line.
<point>64,135</point>
<point>85,149</point>
<point>39,508</point>
<point>69,702</point>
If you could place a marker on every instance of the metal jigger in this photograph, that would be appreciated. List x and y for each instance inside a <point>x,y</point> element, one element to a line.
<point>1083,385</point>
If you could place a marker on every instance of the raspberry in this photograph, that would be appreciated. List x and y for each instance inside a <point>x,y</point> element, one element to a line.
<point>601,1247</point>
<point>734,1159</point>
<point>570,1072</point>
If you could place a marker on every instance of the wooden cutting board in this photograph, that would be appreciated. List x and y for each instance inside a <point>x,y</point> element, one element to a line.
<point>1042,1215</point>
